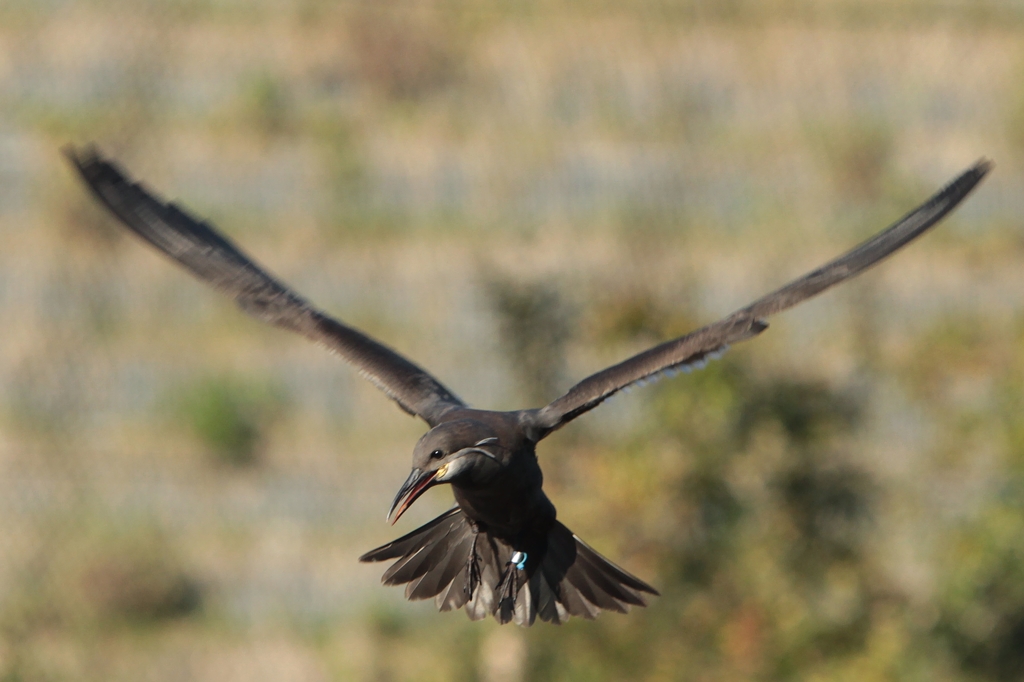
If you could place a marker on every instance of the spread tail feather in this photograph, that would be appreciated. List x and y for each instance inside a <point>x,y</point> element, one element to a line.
<point>459,565</point>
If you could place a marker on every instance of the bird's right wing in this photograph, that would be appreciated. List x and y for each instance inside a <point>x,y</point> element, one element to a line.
<point>217,261</point>
<point>696,347</point>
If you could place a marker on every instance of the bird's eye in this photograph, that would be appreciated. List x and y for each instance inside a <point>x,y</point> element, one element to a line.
<point>437,454</point>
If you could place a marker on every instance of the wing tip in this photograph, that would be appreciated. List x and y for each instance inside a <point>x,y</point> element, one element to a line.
<point>369,557</point>
<point>983,166</point>
<point>92,165</point>
<point>82,157</point>
<point>69,152</point>
<point>964,184</point>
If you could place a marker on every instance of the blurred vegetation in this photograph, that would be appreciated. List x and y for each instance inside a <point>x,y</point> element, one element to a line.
<point>515,195</point>
<point>858,155</point>
<point>265,102</point>
<point>534,326</point>
<point>138,579</point>
<point>404,52</point>
<point>230,416</point>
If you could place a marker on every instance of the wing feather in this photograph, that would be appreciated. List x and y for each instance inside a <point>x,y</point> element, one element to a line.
<point>214,259</point>
<point>697,347</point>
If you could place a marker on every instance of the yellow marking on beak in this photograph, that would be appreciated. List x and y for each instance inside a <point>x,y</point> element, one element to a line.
<point>442,471</point>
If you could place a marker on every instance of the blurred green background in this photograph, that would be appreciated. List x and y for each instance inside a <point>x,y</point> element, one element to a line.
<point>515,194</point>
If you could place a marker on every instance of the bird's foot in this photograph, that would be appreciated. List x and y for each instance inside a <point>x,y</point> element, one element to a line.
<point>509,587</point>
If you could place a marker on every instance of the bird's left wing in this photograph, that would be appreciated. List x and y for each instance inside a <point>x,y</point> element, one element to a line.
<point>697,347</point>
<point>214,259</point>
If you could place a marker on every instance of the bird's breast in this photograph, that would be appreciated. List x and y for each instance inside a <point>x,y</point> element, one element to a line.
<point>511,501</point>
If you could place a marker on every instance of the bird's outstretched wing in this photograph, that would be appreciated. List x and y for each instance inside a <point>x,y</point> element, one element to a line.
<point>697,347</point>
<point>217,261</point>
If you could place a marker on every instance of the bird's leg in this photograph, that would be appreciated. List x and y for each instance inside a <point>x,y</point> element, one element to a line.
<point>509,587</point>
<point>474,569</point>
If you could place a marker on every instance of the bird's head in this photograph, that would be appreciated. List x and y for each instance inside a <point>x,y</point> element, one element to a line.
<point>458,451</point>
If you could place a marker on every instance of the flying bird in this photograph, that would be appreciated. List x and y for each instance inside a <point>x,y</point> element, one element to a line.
<point>500,550</point>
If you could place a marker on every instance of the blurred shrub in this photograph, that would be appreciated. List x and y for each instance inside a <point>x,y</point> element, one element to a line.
<point>982,595</point>
<point>830,511</point>
<point>827,502</point>
<point>808,412</point>
<point>858,154</point>
<point>102,574</point>
<point>763,554</point>
<point>140,586</point>
<point>1014,117</point>
<point>346,170</point>
<point>954,346</point>
<point>230,416</point>
<point>710,515</point>
<point>637,315</point>
<point>403,53</point>
<point>534,327</point>
<point>265,102</point>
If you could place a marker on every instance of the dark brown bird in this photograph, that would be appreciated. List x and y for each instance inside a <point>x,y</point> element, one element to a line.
<point>500,550</point>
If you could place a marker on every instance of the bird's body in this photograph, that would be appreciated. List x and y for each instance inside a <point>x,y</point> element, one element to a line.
<point>510,498</point>
<point>501,550</point>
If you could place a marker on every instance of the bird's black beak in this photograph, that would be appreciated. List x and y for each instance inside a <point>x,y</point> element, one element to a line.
<point>414,486</point>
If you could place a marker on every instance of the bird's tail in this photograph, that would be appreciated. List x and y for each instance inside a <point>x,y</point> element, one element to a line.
<point>461,565</point>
